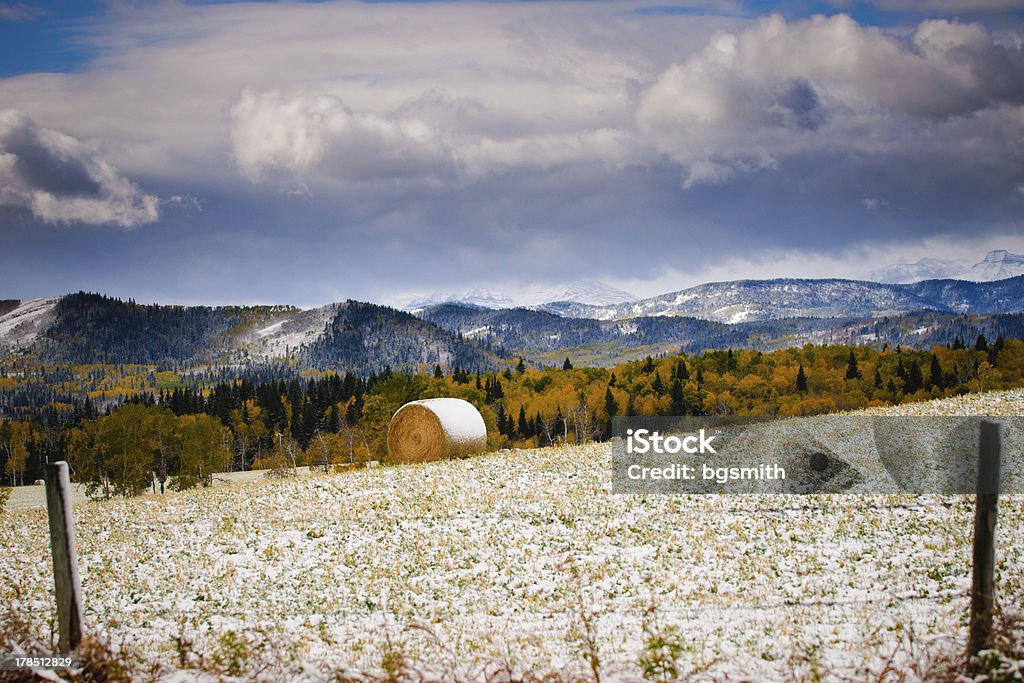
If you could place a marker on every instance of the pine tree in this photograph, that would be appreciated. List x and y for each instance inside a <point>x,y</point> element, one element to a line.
<point>675,392</point>
<point>630,407</point>
<point>981,344</point>
<point>915,379</point>
<point>852,371</point>
<point>521,366</point>
<point>523,427</point>
<point>611,406</point>
<point>438,374</point>
<point>935,378</point>
<point>993,352</point>
<point>801,379</point>
<point>567,365</point>
<point>657,385</point>
<point>502,425</point>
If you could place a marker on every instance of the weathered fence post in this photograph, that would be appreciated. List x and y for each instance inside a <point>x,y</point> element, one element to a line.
<point>985,513</point>
<point>65,555</point>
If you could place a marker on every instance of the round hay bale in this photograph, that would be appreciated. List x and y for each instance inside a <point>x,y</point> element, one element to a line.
<point>435,429</point>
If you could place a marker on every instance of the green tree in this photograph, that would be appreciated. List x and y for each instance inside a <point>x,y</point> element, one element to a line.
<point>204,450</point>
<point>935,378</point>
<point>915,379</point>
<point>115,454</point>
<point>611,406</point>
<point>675,392</point>
<point>852,371</point>
<point>801,379</point>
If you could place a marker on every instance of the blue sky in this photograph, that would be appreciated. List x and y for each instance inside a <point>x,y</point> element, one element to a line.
<point>310,152</point>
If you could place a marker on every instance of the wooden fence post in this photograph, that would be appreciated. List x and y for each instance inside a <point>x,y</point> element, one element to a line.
<point>985,514</point>
<point>65,555</point>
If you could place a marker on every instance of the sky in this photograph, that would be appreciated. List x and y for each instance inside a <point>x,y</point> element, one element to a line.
<point>304,153</point>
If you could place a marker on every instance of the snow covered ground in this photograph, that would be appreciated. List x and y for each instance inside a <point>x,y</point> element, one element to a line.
<point>287,332</point>
<point>502,558</point>
<point>22,325</point>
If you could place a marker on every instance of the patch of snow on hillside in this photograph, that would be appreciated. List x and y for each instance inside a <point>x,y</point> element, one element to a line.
<point>290,331</point>
<point>22,325</point>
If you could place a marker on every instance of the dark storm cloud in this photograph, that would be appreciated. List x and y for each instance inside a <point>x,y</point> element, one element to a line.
<point>37,165</point>
<point>61,180</point>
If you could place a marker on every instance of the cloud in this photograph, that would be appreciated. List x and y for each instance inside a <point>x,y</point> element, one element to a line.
<point>778,89</point>
<point>19,11</point>
<point>310,135</point>
<point>61,180</point>
<point>949,6</point>
<point>505,140</point>
<point>319,132</point>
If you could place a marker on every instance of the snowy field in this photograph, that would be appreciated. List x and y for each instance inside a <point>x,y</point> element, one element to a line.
<point>462,567</point>
<point>25,497</point>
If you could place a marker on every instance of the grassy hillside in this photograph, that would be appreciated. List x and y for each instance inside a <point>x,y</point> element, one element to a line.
<point>521,559</point>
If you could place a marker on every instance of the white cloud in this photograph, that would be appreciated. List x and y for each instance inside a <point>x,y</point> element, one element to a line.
<point>319,132</point>
<point>780,88</point>
<point>19,11</point>
<point>950,6</point>
<point>61,180</point>
<point>290,87</point>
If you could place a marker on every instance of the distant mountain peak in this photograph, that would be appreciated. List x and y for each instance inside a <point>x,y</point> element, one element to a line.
<point>998,264</point>
<point>588,291</point>
<point>904,272</point>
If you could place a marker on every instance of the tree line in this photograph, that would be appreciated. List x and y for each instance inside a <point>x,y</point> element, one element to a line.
<point>320,419</point>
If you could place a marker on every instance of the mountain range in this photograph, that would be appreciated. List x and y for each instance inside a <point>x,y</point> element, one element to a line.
<point>364,337</point>
<point>583,291</point>
<point>749,300</point>
<point>998,264</point>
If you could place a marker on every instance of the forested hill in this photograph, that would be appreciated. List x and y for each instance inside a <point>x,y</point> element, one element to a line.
<point>92,328</point>
<point>357,337</point>
<point>361,335</point>
<point>365,338</point>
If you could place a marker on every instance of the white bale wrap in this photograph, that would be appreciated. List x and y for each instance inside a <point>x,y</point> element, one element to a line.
<point>435,429</point>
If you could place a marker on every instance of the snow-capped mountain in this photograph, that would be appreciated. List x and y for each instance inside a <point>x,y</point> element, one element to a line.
<point>740,301</point>
<point>997,265</point>
<point>483,298</point>
<point>923,269</point>
<point>588,292</point>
